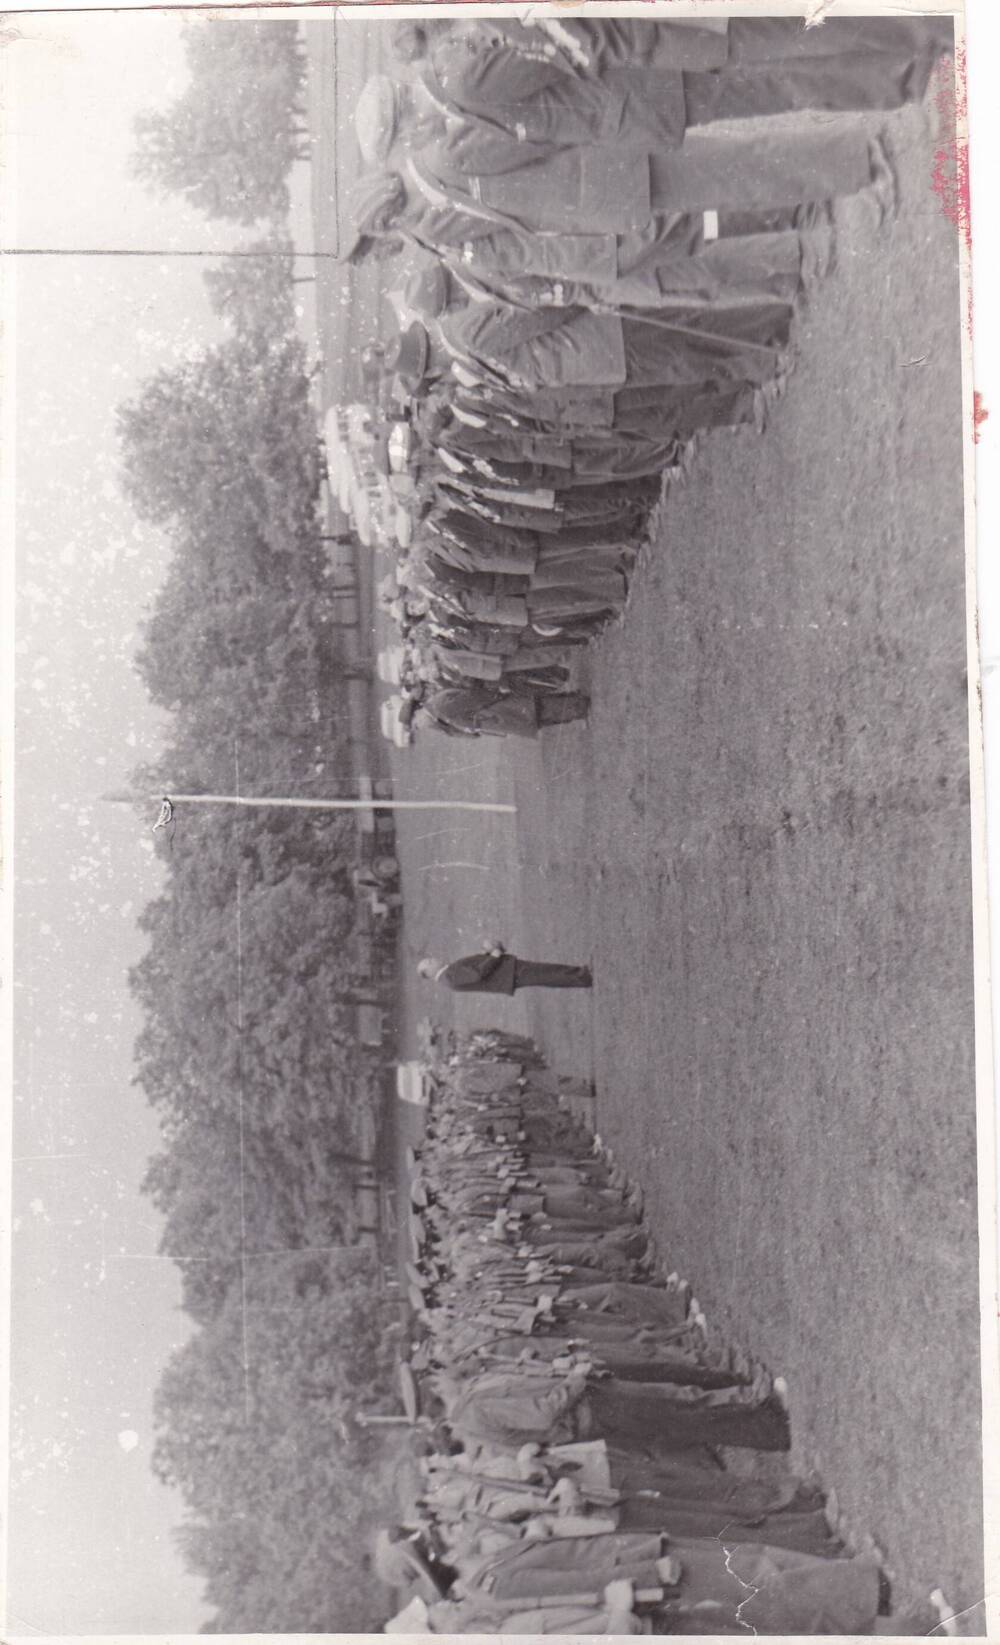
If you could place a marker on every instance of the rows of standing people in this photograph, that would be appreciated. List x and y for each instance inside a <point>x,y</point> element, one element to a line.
<point>585,1462</point>
<point>609,225</point>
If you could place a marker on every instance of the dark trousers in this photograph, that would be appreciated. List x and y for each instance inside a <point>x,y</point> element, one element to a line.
<point>556,708</point>
<point>630,1415</point>
<point>777,40</point>
<point>658,354</point>
<point>846,83</point>
<point>541,974</point>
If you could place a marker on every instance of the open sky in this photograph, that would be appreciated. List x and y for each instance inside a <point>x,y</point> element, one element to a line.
<point>95,1310</point>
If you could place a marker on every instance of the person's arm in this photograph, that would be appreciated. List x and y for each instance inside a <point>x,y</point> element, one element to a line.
<point>495,72</point>
<point>564,1396</point>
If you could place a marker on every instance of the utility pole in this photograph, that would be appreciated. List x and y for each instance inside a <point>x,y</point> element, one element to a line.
<point>363,1420</point>
<point>169,803</point>
<point>151,251</point>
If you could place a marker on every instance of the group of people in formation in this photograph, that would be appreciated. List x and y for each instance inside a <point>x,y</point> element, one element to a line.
<point>609,261</point>
<point>585,1462</point>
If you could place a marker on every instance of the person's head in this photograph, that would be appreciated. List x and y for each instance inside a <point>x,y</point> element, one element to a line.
<point>376,117</point>
<point>409,42</point>
<point>430,292</point>
<point>392,115</point>
<point>437,418</point>
<point>375,205</point>
<point>428,967</point>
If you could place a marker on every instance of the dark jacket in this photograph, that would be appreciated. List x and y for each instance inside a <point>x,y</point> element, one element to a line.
<point>481,973</point>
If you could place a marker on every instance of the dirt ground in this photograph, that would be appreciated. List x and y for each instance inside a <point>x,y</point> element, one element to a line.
<point>763,840</point>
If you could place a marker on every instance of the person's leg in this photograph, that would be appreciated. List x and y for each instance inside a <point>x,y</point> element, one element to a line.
<point>634,1414</point>
<point>578,536</point>
<point>777,220</point>
<point>761,169</point>
<point>778,39</point>
<point>536,659</point>
<point>577,567</point>
<point>527,681</point>
<point>686,1517</point>
<point>682,414</point>
<point>571,602</point>
<point>847,83</point>
<point>664,354</point>
<point>546,974</point>
<point>682,1370</point>
<point>622,459</point>
<point>755,267</point>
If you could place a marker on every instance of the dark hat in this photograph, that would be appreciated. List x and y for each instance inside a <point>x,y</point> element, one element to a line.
<point>400,1563</point>
<point>408,353</point>
<point>376,116</point>
<point>429,291</point>
<point>373,206</point>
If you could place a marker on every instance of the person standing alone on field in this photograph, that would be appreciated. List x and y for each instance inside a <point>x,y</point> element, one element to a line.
<point>494,971</point>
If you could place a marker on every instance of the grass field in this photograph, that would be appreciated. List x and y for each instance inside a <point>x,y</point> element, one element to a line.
<point>763,840</point>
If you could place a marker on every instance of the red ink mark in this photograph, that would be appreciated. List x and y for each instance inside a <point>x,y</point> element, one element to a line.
<point>950,176</point>
<point>980,413</point>
<point>950,173</point>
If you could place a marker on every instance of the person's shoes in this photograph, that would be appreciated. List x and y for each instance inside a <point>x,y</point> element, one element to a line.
<point>761,1389</point>
<point>884,186</point>
<point>633,1198</point>
<point>931,1620</point>
<point>947,1621</point>
<point>819,257</point>
<point>740,1364</point>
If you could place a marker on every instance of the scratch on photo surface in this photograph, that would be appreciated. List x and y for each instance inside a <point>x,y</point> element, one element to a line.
<point>947,1624</point>
<point>241,1115</point>
<point>429,865</point>
<point>460,770</point>
<point>751,1591</point>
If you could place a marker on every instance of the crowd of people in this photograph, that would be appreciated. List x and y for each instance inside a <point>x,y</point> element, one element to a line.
<point>585,1462</point>
<point>608,225</point>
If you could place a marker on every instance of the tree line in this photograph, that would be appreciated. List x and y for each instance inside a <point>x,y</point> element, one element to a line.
<point>248,1051</point>
<point>229,142</point>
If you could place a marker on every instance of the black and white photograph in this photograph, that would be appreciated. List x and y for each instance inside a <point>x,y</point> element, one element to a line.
<point>497,961</point>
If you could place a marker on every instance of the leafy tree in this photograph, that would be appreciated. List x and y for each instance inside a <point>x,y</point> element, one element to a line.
<point>255,289</point>
<point>229,142</point>
<point>250,1423</point>
<point>228,439</point>
<point>247,1050</point>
